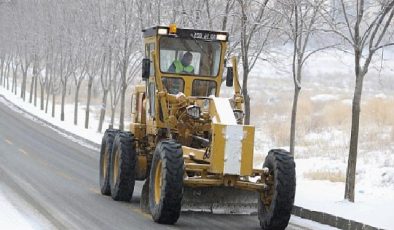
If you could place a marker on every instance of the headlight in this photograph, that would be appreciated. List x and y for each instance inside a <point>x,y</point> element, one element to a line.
<point>221,37</point>
<point>239,115</point>
<point>193,111</point>
<point>162,31</point>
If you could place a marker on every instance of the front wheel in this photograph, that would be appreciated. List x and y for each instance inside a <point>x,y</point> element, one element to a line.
<point>275,205</point>
<point>166,182</point>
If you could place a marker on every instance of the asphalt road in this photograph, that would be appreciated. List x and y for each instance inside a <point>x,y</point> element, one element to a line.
<point>54,183</point>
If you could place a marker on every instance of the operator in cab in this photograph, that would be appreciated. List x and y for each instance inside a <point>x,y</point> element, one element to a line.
<point>182,66</point>
<point>175,85</point>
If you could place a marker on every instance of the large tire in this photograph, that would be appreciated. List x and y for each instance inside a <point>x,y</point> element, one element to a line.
<point>105,160</point>
<point>122,175</point>
<point>166,182</point>
<point>275,214</point>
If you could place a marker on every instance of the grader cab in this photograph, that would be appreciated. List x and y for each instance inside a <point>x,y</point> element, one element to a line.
<point>189,145</point>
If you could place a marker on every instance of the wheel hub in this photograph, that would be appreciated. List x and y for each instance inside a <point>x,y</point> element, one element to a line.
<point>116,167</point>
<point>158,182</point>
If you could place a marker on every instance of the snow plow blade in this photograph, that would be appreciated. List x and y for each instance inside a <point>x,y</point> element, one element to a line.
<point>219,200</point>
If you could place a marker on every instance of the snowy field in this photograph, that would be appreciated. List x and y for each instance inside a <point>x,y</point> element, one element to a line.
<point>323,126</point>
<point>323,133</point>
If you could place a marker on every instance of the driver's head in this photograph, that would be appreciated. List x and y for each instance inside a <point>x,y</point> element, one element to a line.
<point>187,59</point>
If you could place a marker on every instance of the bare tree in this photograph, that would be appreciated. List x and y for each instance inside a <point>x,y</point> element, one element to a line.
<point>91,72</point>
<point>300,25</point>
<point>14,86</point>
<point>2,66</point>
<point>115,89</point>
<point>7,71</point>
<point>257,23</point>
<point>129,53</point>
<point>36,72</point>
<point>43,80</point>
<point>364,27</point>
<point>54,84</point>
<point>78,79</point>
<point>25,65</point>
<point>105,80</point>
<point>65,71</point>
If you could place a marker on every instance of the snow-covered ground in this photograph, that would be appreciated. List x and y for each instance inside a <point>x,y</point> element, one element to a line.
<point>10,217</point>
<point>373,204</point>
<point>303,223</point>
<point>17,214</point>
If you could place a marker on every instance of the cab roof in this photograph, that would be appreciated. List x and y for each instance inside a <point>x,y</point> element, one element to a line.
<point>208,35</point>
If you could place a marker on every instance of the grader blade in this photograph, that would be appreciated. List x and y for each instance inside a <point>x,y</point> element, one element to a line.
<point>219,200</point>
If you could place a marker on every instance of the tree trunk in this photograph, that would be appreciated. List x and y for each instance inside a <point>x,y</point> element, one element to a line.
<point>23,90</point>
<point>35,90</point>
<point>2,70</point>
<point>43,87</point>
<point>47,102</point>
<point>209,14</point>
<point>42,95</point>
<point>14,80</point>
<point>8,74</point>
<point>48,87</point>
<point>64,92</point>
<point>294,119</point>
<point>76,103</point>
<point>226,12</point>
<point>246,97</point>
<point>352,161</point>
<point>102,110</point>
<point>122,107</point>
<point>123,95</point>
<point>32,86</point>
<point>87,113</point>
<point>53,104</point>
<point>48,91</point>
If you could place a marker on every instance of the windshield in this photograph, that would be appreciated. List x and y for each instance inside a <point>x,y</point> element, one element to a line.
<point>189,56</point>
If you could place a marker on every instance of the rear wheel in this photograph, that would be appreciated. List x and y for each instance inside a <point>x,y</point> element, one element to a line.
<point>166,182</point>
<point>274,208</point>
<point>105,160</point>
<point>123,161</point>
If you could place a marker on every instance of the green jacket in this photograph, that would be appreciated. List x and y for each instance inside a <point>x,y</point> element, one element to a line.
<point>179,68</point>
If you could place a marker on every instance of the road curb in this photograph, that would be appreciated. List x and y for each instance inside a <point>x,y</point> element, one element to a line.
<point>52,126</point>
<point>331,220</point>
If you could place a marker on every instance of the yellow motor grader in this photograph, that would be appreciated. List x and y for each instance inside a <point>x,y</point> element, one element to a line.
<point>188,144</point>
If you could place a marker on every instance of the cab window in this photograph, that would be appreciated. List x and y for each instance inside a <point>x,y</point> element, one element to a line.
<point>173,85</point>
<point>175,56</point>
<point>203,88</point>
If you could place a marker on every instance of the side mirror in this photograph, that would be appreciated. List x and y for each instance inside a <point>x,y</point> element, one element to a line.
<point>229,77</point>
<point>145,68</point>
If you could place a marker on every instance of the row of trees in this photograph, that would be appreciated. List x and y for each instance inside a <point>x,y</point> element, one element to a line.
<point>63,43</point>
<point>59,43</point>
